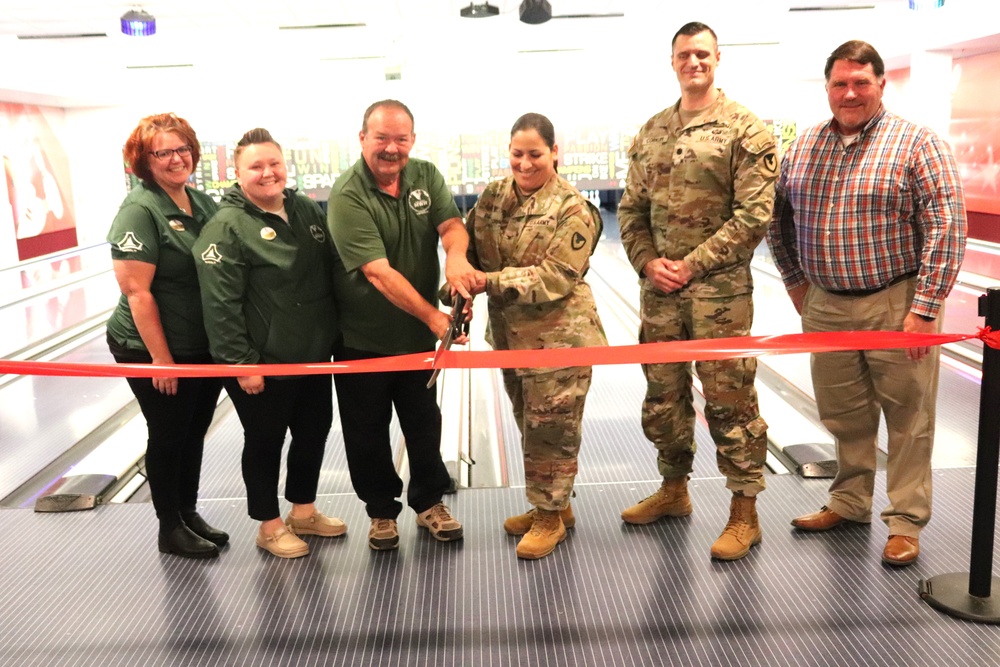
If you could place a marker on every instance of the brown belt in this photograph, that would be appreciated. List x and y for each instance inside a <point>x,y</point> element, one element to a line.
<point>874,290</point>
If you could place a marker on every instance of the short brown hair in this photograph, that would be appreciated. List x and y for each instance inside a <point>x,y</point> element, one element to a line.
<point>258,135</point>
<point>858,52</point>
<point>138,144</point>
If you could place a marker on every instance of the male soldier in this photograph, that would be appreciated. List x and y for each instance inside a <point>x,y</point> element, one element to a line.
<point>869,233</point>
<point>386,214</point>
<point>697,201</point>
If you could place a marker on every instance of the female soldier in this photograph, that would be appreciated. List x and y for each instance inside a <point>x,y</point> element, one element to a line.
<point>158,320</point>
<point>264,263</point>
<point>531,235</point>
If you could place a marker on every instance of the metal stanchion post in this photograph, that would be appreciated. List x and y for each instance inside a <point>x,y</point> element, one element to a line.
<point>968,595</point>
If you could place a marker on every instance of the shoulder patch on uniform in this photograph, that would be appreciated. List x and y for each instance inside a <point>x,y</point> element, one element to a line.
<point>634,146</point>
<point>129,243</point>
<point>578,241</point>
<point>211,255</point>
<point>759,143</point>
<point>769,163</point>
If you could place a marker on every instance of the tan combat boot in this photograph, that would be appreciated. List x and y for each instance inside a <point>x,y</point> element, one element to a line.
<point>521,524</point>
<point>671,499</point>
<point>742,531</point>
<point>547,531</point>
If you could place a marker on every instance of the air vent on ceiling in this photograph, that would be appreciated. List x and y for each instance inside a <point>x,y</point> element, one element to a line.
<point>173,66</point>
<point>346,58</point>
<point>829,8</point>
<point>322,26</point>
<point>82,35</point>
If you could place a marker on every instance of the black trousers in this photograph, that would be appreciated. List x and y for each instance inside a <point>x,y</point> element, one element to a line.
<point>176,426</point>
<point>302,405</point>
<point>366,401</point>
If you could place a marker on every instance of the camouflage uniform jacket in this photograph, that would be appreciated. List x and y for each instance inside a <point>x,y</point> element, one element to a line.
<point>535,255</point>
<point>702,193</point>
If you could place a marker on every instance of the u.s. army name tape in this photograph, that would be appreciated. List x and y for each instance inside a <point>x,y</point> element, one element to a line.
<point>645,353</point>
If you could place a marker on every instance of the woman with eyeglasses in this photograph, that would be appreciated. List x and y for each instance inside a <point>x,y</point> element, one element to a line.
<point>159,321</point>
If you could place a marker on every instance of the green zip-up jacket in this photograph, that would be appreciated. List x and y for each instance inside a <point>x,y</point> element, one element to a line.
<point>267,285</point>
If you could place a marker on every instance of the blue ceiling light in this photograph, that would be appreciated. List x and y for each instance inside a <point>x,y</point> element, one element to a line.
<point>138,23</point>
<point>926,4</point>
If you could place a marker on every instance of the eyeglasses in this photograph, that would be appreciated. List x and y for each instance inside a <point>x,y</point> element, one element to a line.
<point>167,153</point>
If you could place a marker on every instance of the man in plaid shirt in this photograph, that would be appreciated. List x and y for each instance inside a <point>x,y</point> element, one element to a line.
<point>869,234</point>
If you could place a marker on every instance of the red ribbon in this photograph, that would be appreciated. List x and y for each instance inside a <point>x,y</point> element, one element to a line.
<point>646,353</point>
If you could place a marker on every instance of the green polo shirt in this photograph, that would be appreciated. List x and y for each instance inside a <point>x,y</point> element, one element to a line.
<point>367,224</point>
<point>150,228</point>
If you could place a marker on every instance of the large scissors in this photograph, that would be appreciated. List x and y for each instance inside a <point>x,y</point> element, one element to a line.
<point>458,327</point>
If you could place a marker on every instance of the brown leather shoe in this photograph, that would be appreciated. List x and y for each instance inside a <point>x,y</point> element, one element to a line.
<point>825,519</point>
<point>901,550</point>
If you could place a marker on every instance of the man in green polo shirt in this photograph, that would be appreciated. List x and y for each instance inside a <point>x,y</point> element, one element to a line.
<point>386,214</point>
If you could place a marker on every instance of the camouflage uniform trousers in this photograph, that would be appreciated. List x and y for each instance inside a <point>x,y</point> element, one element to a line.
<point>548,408</point>
<point>731,409</point>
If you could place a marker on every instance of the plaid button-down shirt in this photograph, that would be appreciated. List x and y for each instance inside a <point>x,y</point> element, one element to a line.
<point>858,217</point>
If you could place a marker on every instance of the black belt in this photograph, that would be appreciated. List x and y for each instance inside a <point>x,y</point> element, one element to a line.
<point>874,290</point>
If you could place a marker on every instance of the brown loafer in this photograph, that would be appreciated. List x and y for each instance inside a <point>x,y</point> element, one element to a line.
<point>317,524</point>
<point>283,544</point>
<point>901,550</point>
<point>825,519</point>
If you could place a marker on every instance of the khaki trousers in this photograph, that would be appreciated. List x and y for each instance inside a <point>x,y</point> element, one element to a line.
<point>854,388</point>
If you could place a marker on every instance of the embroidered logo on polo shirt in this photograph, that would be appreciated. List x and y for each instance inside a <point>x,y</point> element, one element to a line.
<point>317,233</point>
<point>211,255</point>
<point>420,201</point>
<point>176,225</point>
<point>129,243</point>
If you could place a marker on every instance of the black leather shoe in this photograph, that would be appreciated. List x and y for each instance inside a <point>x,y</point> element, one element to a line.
<point>200,527</point>
<point>183,542</point>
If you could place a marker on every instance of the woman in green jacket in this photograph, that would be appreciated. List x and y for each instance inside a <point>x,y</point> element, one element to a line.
<point>265,268</point>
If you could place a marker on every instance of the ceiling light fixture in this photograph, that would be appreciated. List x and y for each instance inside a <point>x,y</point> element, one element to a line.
<point>478,11</point>
<point>138,23</point>
<point>918,5</point>
<point>535,11</point>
